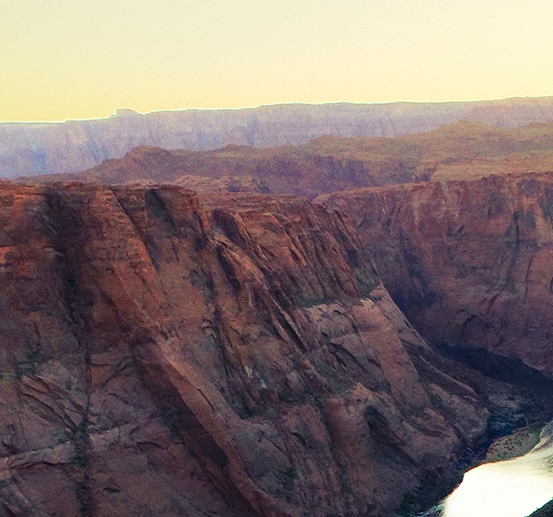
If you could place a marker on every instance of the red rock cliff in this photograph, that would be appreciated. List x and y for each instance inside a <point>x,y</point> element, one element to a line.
<point>163,356</point>
<point>469,262</point>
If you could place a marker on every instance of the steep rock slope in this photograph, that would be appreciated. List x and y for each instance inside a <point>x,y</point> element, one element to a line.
<point>469,262</point>
<point>31,148</point>
<point>236,358</point>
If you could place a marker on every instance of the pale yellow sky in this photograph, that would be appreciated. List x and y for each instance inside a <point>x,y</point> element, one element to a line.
<point>74,59</point>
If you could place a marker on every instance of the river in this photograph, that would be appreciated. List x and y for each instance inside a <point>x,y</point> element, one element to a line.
<point>511,488</point>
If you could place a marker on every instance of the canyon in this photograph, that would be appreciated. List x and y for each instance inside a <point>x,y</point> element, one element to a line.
<point>169,355</point>
<point>73,146</point>
<point>242,351</point>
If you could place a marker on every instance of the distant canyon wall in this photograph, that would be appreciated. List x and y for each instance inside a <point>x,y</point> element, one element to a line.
<point>469,262</point>
<point>28,149</point>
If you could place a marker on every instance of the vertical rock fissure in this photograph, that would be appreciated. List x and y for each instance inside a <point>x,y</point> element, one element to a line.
<point>67,260</point>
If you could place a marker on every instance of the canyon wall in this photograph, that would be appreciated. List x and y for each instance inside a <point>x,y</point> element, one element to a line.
<point>228,357</point>
<point>469,262</point>
<point>28,149</point>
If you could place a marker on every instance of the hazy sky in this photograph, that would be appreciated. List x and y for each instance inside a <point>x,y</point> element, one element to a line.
<point>63,59</point>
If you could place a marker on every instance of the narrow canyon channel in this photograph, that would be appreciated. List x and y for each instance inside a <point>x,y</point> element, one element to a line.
<point>510,488</point>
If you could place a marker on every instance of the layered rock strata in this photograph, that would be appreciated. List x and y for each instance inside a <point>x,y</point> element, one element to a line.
<point>232,357</point>
<point>49,148</point>
<point>469,262</point>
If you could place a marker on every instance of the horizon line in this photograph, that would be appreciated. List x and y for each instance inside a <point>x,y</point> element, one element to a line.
<point>122,112</point>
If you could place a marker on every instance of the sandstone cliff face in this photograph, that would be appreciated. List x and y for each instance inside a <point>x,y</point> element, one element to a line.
<point>31,148</point>
<point>232,357</point>
<point>470,263</point>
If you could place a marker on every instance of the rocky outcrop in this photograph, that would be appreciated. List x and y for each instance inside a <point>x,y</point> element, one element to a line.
<point>236,356</point>
<point>469,262</point>
<point>28,149</point>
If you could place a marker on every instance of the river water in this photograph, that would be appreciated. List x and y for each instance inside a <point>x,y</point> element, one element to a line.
<point>512,488</point>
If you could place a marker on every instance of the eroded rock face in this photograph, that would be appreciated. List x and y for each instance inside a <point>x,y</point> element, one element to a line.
<point>233,357</point>
<point>470,263</point>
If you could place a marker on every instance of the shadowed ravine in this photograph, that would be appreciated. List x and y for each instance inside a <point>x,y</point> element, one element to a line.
<point>469,264</point>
